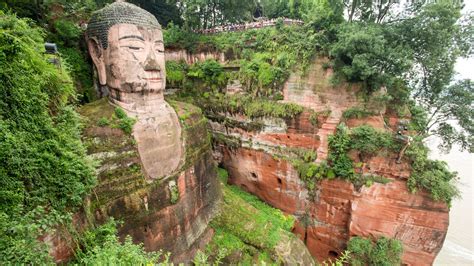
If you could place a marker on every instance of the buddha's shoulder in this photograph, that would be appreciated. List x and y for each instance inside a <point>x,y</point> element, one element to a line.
<point>194,125</point>
<point>96,110</point>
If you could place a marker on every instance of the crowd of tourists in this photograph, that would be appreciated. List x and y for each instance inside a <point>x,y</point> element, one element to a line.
<point>250,25</point>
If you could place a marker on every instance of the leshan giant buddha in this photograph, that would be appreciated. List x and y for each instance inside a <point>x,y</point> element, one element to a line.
<point>161,179</point>
<point>126,46</point>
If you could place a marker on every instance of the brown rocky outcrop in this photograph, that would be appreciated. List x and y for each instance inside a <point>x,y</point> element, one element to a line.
<point>335,210</point>
<point>338,211</point>
<point>169,214</point>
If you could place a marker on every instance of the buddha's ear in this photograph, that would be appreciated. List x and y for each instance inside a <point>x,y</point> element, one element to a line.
<point>97,54</point>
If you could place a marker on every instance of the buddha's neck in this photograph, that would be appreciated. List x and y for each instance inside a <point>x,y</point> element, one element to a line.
<point>138,103</point>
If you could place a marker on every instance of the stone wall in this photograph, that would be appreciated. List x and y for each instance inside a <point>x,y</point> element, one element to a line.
<point>191,58</point>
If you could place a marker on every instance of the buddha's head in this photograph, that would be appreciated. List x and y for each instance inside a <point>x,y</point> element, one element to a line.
<point>126,46</point>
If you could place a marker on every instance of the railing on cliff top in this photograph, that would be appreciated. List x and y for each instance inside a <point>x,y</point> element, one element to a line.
<point>250,25</point>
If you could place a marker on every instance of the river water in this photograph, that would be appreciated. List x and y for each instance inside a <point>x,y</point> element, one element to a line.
<point>458,248</point>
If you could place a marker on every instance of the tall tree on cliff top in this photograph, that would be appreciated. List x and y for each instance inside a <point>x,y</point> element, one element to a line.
<point>380,11</point>
<point>439,36</point>
<point>418,50</point>
<point>204,14</point>
<point>165,11</point>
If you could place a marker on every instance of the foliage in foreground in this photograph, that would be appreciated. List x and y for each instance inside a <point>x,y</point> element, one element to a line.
<point>42,160</point>
<point>384,251</point>
<point>101,246</point>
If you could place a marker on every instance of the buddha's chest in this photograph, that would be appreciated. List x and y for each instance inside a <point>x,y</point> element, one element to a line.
<point>159,142</point>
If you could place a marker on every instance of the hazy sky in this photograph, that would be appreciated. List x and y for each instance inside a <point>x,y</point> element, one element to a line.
<point>465,67</point>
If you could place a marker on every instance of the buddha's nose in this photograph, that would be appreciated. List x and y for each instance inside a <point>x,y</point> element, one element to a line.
<point>151,64</point>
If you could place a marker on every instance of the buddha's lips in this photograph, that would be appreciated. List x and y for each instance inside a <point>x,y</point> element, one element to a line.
<point>154,79</point>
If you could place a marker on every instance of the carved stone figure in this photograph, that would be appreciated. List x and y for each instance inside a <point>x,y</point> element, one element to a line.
<point>126,46</point>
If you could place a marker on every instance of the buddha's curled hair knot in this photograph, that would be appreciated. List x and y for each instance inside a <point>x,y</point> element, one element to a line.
<point>118,13</point>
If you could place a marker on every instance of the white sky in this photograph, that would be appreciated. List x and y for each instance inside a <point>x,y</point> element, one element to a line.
<point>465,66</point>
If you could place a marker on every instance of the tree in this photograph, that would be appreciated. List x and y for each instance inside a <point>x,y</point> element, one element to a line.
<point>365,52</point>
<point>165,11</point>
<point>438,36</point>
<point>370,10</point>
<point>204,14</point>
<point>415,55</point>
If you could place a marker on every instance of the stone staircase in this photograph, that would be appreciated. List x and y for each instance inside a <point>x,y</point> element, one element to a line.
<point>327,129</point>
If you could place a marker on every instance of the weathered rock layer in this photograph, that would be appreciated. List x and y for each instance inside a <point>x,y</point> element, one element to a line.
<point>169,214</point>
<point>335,210</point>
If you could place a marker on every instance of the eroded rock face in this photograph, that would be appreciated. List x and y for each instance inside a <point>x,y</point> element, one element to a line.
<point>191,58</point>
<point>338,211</point>
<point>171,213</point>
<point>335,210</point>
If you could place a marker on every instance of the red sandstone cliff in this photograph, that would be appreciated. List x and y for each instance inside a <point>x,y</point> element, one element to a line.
<point>337,210</point>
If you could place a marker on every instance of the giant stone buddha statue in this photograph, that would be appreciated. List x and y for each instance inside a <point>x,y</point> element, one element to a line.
<point>126,46</point>
<point>160,180</point>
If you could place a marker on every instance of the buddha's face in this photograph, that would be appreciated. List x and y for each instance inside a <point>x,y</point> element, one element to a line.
<point>134,61</point>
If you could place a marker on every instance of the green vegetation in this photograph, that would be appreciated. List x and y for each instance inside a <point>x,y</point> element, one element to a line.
<point>246,225</point>
<point>218,103</point>
<point>210,73</point>
<point>103,121</point>
<point>311,173</point>
<point>431,175</point>
<point>174,191</point>
<point>124,122</point>
<point>101,246</point>
<point>367,142</point>
<point>44,172</point>
<point>176,74</point>
<point>413,57</point>
<point>356,112</point>
<point>384,251</point>
<point>265,57</point>
<point>43,165</point>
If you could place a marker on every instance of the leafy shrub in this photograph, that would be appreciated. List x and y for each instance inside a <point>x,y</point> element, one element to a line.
<point>81,72</point>
<point>125,123</point>
<point>42,159</point>
<point>431,175</point>
<point>210,72</point>
<point>311,172</point>
<point>339,145</point>
<point>368,140</point>
<point>363,53</point>
<point>384,251</point>
<point>102,122</point>
<point>101,246</point>
<point>67,31</point>
<point>176,73</point>
<point>356,112</point>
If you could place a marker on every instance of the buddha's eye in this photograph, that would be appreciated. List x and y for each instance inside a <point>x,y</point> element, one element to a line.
<point>160,50</point>
<point>135,48</point>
